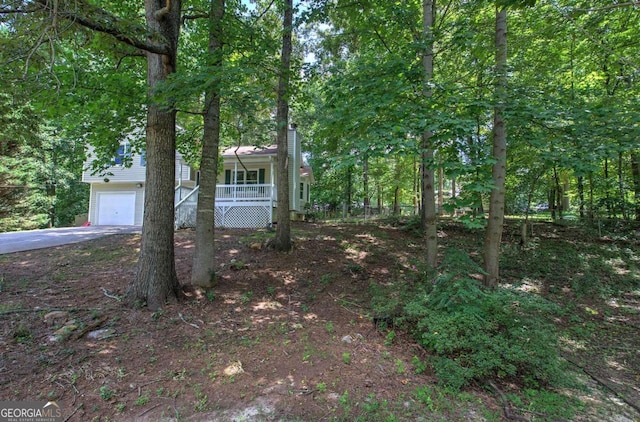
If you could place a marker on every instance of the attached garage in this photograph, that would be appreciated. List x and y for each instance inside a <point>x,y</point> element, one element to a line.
<point>116,208</point>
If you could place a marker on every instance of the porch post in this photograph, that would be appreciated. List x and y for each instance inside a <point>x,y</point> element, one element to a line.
<point>271,176</point>
<point>235,180</point>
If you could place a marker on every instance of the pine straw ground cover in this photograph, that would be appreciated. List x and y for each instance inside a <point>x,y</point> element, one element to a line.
<point>292,336</point>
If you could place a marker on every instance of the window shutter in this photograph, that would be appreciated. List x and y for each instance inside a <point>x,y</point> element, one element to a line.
<point>227,177</point>
<point>261,176</point>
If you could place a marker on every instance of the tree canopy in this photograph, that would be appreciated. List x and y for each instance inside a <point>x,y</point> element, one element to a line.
<point>377,118</point>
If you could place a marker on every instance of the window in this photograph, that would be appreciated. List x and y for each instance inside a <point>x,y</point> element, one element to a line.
<point>251,177</point>
<point>143,159</point>
<point>244,177</point>
<point>302,191</point>
<point>122,154</point>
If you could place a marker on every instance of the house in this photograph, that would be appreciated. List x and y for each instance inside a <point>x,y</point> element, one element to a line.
<point>246,194</point>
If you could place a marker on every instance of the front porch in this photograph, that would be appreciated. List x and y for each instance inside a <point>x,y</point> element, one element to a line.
<point>237,205</point>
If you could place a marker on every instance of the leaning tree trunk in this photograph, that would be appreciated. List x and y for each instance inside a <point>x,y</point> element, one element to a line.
<point>429,215</point>
<point>282,241</point>
<point>493,237</point>
<point>156,281</point>
<point>203,266</point>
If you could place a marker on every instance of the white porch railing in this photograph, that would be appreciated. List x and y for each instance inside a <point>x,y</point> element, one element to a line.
<point>244,193</point>
<point>236,206</point>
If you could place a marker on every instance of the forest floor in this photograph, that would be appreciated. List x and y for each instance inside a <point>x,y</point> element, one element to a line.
<point>289,336</point>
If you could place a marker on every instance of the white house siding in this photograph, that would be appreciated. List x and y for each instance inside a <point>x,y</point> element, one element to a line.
<point>135,173</point>
<point>124,182</point>
<point>111,187</point>
<point>183,171</point>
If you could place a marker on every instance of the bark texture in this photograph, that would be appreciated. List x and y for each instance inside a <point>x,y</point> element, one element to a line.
<point>635,173</point>
<point>429,216</point>
<point>203,266</point>
<point>282,241</point>
<point>493,236</point>
<point>156,281</point>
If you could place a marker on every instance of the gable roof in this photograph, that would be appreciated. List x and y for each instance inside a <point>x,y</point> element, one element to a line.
<point>307,171</point>
<point>250,150</point>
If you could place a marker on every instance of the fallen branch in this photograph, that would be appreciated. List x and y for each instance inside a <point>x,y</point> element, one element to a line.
<point>47,310</point>
<point>152,382</point>
<point>505,404</point>
<point>98,322</point>
<point>344,300</point>
<point>149,409</point>
<point>74,412</point>
<point>341,303</point>
<point>107,294</point>
<point>185,321</point>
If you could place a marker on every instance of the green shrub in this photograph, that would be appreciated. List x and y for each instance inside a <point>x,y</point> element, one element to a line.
<point>475,333</point>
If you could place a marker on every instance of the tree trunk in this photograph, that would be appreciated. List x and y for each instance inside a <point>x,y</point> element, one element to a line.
<point>551,199</point>
<point>440,209</point>
<point>606,185</point>
<point>397,173</point>
<point>282,241</point>
<point>621,190</point>
<point>156,281</point>
<point>203,266</point>
<point>566,202</point>
<point>349,192</point>
<point>453,196</point>
<point>365,186</point>
<point>493,237</point>
<point>581,195</point>
<point>557,210</point>
<point>416,188</point>
<point>429,215</point>
<point>635,173</point>
<point>591,205</point>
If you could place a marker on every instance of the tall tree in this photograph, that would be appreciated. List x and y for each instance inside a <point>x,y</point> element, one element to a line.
<point>635,177</point>
<point>156,280</point>
<point>493,235</point>
<point>282,241</point>
<point>429,215</point>
<point>203,268</point>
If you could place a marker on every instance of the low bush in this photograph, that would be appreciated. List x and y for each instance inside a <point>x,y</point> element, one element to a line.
<point>475,333</point>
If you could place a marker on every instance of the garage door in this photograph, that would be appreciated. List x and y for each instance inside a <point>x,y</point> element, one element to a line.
<point>116,209</point>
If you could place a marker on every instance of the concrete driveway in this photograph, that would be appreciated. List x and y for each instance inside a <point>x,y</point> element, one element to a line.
<point>37,239</point>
